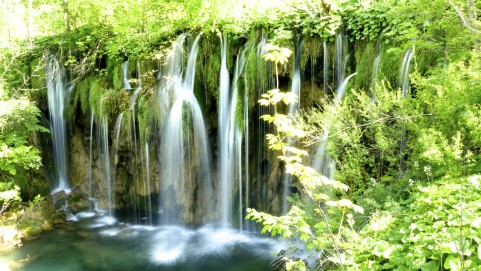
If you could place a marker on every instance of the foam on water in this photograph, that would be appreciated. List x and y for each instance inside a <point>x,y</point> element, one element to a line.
<point>169,245</point>
<point>103,221</point>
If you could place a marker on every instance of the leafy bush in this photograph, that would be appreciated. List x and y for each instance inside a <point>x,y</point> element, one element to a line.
<point>437,227</point>
<point>18,120</point>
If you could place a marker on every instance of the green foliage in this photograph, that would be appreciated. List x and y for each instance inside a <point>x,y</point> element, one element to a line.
<point>37,200</point>
<point>310,224</point>
<point>436,228</point>
<point>9,194</point>
<point>18,120</point>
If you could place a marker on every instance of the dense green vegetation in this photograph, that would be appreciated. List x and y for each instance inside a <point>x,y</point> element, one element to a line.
<point>397,208</point>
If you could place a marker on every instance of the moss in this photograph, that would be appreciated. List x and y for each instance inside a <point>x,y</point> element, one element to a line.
<point>78,202</point>
<point>40,217</point>
<point>426,58</point>
<point>209,65</point>
<point>80,96</point>
<point>311,52</point>
<point>389,67</point>
<point>365,55</point>
<point>95,97</point>
<point>117,77</point>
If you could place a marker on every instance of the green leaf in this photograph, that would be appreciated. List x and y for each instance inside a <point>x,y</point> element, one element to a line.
<point>430,266</point>
<point>452,263</point>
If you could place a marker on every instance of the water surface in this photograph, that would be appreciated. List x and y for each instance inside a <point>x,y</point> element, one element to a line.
<point>101,243</point>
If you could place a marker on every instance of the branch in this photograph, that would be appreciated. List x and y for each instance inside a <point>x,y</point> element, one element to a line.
<point>5,206</point>
<point>462,17</point>
<point>300,8</point>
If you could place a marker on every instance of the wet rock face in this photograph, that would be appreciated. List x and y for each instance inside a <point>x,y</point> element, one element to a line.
<point>79,161</point>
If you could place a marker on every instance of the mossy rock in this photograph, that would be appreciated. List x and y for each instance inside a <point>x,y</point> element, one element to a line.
<point>40,217</point>
<point>78,202</point>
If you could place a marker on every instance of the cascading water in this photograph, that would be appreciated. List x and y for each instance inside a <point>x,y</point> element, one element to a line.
<point>125,74</point>
<point>90,170</point>
<point>404,84</point>
<point>322,162</point>
<point>115,144</point>
<point>230,136</point>
<point>246,153</point>
<point>293,108</point>
<point>185,157</point>
<point>235,126</point>
<point>375,68</point>
<point>404,71</point>
<point>134,151</point>
<point>148,184</point>
<point>325,68</point>
<point>224,152</point>
<point>104,155</point>
<point>57,92</point>
<point>296,79</point>
<point>340,60</point>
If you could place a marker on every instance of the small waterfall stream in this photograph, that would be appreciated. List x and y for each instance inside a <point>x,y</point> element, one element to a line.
<point>224,152</point>
<point>57,91</point>
<point>125,74</point>
<point>322,162</point>
<point>325,68</point>
<point>104,154</point>
<point>375,68</point>
<point>404,71</point>
<point>404,84</point>
<point>91,138</point>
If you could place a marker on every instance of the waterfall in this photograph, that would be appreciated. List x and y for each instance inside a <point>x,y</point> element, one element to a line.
<point>224,152</point>
<point>404,71</point>
<point>149,216</point>
<point>322,162</point>
<point>296,79</point>
<point>118,124</point>
<point>104,155</point>
<point>90,172</point>
<point>340,60</point>
<point>134,151</point>
<point>115,144</point>
<point>375,68</point>
<point>125,75</point>
<point>246,150</point>
<point>230,136</point>
<point>185,157</point>
<point>57,93</point>
<point>404,84</point>
<point>325,68</point>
